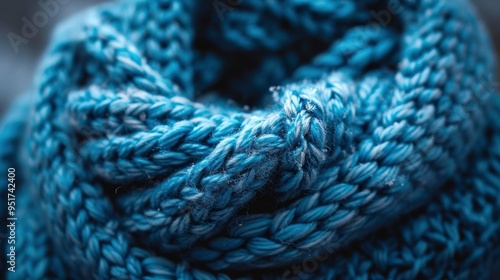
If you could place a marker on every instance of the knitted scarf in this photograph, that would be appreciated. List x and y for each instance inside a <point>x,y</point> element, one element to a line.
<point>283,139</point>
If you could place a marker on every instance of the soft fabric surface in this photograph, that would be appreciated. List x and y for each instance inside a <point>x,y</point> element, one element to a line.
<point>283,139</point>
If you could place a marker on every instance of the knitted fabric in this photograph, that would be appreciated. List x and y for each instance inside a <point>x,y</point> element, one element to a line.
<point>283,139</point>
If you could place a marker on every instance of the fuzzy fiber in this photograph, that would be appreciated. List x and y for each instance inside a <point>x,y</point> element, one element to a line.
<point>285,139</point>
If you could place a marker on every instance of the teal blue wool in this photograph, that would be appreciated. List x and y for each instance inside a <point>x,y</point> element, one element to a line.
<point>284,139</point>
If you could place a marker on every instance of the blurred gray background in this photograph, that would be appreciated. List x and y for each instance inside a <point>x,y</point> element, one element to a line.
<point>16,69</point>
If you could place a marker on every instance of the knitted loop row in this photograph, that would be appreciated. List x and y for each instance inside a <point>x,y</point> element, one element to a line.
<point>183,140</point>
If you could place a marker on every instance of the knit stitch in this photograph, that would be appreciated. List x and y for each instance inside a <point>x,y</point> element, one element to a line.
<point>283,139</point>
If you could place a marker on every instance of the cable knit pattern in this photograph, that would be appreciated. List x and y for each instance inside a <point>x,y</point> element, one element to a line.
<point>282,139</point>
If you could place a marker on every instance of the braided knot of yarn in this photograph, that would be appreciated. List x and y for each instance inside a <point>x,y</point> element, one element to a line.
<point>168,142</point>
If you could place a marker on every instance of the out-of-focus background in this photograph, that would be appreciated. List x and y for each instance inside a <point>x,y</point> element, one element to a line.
<point>17,68</point>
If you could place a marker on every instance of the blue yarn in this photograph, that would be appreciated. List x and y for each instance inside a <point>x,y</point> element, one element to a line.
<point>281,139</point>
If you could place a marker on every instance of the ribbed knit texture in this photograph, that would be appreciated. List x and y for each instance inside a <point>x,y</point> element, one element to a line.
<point>285,139</point>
